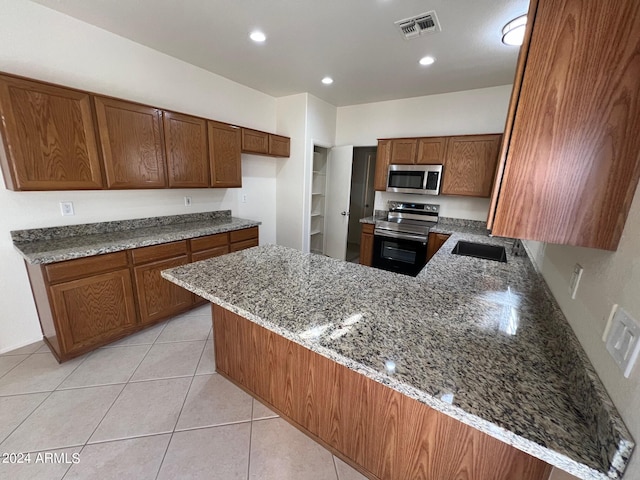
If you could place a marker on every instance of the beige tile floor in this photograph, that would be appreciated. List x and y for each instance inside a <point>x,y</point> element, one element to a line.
<point>148,407</point>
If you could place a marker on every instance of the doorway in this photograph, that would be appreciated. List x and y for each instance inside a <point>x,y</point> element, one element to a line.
<point>361,202</point>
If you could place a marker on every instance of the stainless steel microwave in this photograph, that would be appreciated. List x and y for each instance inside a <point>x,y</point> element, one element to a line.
<point>422,179</point>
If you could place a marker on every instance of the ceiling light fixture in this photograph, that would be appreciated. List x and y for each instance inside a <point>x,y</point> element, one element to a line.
<point>513,32</point>
<point>426,61</point>
<point>327,80</point>
<point>257,36</point>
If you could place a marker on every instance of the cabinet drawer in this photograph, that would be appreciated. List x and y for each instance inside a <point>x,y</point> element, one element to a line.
<point>242,245</point>
<point>212,252</point>
<point>244,234</point>
<point>158,252</point>
<point>368,228</point>
<point>83,267</point>
<point>210,241</point>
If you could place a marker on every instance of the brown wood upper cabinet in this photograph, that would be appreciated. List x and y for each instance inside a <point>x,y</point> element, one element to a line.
<point>254,141</point>
<point>403,151</point>
<point>185,140</point>
<point>279,146</point>
<point>383,158</point>
<point>49,137</point>
<point>225,155</point>
<point>263,143</point>
<point>569,160</point>
<point>131,141</point>
<point>425,151</point>
<point>431,150</point>
<point>470,165</point>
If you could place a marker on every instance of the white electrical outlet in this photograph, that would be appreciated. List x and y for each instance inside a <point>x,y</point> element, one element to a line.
<point>575,280</point>
<point>623,340</point>
<point>66,209</point>
<point>187,201</point>
<point>244,198</point>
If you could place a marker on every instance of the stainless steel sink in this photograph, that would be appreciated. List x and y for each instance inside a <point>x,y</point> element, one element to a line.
<point>480,250</point>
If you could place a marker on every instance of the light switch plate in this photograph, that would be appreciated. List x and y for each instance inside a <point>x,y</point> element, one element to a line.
<point>623,340</point>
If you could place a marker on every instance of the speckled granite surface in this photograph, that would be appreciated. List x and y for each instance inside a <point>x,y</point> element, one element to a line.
<point>55,244</point>
<point>481,341</point>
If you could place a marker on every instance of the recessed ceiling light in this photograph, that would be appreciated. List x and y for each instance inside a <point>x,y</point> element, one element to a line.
<point>327,80</point>
<point>257,36</point>
<point>513,32</point>
<point>426,60</point>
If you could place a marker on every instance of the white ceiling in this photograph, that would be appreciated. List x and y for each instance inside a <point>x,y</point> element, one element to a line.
<point>353,41</point>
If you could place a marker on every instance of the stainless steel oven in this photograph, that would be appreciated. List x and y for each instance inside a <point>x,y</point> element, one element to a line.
<point>400,241</point>
<point>399,253</point>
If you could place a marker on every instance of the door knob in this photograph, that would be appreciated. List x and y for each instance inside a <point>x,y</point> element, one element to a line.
<point>344,213</point>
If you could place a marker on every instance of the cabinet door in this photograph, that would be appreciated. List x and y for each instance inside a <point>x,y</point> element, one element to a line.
<point>49,137</point>
<point>254,141</point>
<point>436,240</point>
<point>131,142</point>
<point>366,245</point>
<point>278,146</point>
<point>431,150</point>
<point>225,155</point>
<point>93,309</point>
<point>403,151</point>
<point>383,156</point>
<point>572,164</point>
<point>158,298</point>
<point>185,140</point>
<point>470,165</point>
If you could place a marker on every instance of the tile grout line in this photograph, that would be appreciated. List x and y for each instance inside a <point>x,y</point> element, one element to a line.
<point>44,399</point>
<point>335,466</point>
<point>20,362</point>
<point>253,404</point>
<point>180,413</point>
<point>114,401</point>
<point>30,413</point>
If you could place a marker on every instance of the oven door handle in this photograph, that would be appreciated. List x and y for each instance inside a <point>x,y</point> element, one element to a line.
<point>399,235</point>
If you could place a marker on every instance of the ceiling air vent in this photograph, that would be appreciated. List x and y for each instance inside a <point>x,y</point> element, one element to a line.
<point>420,24</point>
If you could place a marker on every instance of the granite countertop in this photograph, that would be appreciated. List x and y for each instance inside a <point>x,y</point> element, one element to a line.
<point>481,341</point>
<point>55,244</point>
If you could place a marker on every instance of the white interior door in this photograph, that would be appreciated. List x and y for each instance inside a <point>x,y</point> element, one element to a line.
<point>338,191</point>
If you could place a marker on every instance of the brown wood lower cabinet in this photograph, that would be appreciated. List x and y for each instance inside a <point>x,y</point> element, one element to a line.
<point>83,303</point>
<point>158,298</point>
<point>242,239</point>
<point>89,302</point>
<point>381,432</point>
<point>366,244</point>
<point>436,240</point>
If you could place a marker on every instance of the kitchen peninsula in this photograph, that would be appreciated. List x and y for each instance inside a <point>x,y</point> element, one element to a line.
<point>469,367</point>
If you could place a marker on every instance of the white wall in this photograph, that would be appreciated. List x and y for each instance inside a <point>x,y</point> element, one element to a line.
<point>321,121</point>
<point>290,178</point>
<point>40,43</point>
<point>308,121</point>
<point>609,278</point>
<point>460,113</point>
